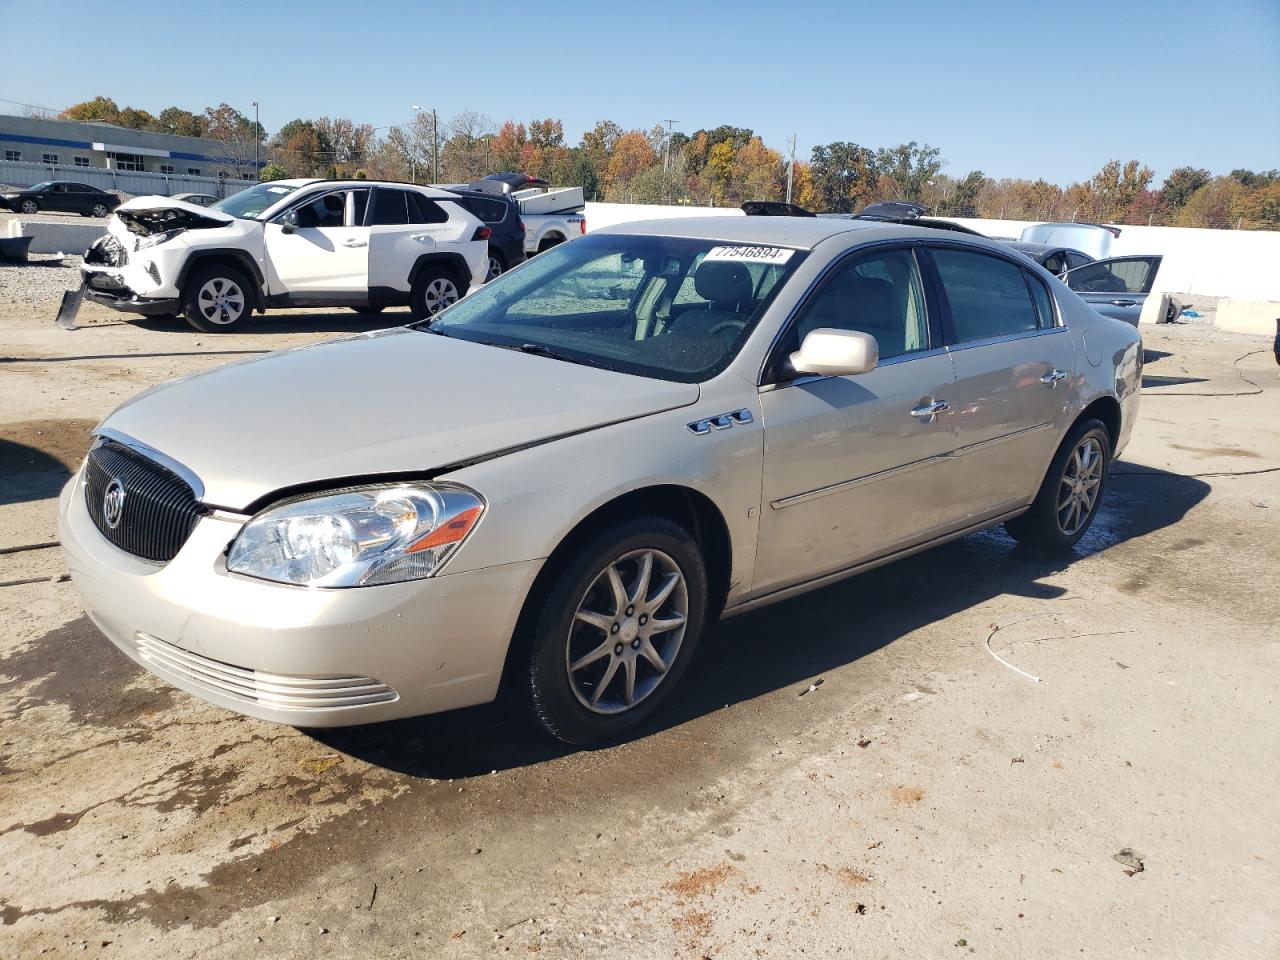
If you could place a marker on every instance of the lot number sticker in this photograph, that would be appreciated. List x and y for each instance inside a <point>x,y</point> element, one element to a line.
<point>750,254</point>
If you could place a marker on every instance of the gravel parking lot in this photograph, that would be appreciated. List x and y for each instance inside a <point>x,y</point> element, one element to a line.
<point>851,773</point>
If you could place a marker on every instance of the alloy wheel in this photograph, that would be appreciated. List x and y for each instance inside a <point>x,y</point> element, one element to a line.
<point>626,632</point>
<point>495,268</point>
<point>220,301</point>
<point>30,206</point>
<point>1081,481</point>
<point>439,293</point>
<point>99,210</point>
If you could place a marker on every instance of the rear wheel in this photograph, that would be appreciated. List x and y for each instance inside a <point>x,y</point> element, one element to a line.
<point>497,266</point>
<point>99,210</point>
<point>216,299</point>
<point>435,289</point>
<point>1072,490</point>
<point>554,240</point>
<point>616,630</point>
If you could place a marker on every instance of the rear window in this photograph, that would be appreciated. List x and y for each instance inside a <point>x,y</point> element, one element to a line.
<point>425,210</point>
<point>987,295</point>
<point>489,211</point>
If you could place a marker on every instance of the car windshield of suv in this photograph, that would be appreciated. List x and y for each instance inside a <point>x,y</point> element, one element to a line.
<point>247,204</point>
<point>673,308</point>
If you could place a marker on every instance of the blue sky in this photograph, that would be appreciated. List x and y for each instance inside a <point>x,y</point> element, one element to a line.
<point>1015,89</point>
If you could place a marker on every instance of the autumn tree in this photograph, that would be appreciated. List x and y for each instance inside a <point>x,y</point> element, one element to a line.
<point>842,176</point>
<point>465,153</point>
<point>99,108</point>
<point>631,154</point>
<point>182,123</point>
<point>1118,186</point>
<point>1181,184</point>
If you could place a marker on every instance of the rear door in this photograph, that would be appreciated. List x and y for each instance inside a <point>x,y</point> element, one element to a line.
<point>325,259</point>
<point>856,467</point>
<point>1014,370</point>
<point>1117,287</point>
<point>405,225</point>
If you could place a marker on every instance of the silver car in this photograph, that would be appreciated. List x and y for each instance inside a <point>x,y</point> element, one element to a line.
<point>557,484</point>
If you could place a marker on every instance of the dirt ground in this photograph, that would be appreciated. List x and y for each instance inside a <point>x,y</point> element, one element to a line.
<point>923,801</point>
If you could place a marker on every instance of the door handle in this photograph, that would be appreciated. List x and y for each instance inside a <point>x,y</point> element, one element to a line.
<point>1123,303</point>
<point>929,412</point>
<point>422,237</point>
<point>355,243</point>
<point>1051,380</point>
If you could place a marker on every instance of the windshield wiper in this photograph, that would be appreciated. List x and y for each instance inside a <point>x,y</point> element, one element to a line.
<point>542,350</point>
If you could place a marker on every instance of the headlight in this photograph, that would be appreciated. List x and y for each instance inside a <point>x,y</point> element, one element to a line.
<point>157,238</point>
<point>359,537</point>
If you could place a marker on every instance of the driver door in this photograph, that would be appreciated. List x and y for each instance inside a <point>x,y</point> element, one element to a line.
<point>855,467</point>
<point>325,258</point>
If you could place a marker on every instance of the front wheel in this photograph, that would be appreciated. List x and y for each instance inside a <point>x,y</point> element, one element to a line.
<point>1072,490</point>
<point>30,206</point>
<point>616,630</point>
<point>216,299</point>
<point>435,289</point>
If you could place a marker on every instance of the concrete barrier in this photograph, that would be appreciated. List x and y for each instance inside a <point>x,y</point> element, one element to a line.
<point>70,238</point>
<point>1248,316</point>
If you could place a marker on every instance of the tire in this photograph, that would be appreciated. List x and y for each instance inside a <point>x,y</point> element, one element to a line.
<point>436,288</point>
<point>99,210</point>
<point>216,292</point>
<point>368,311</point>
<point>29,207</point>
<point>497,266</point>
<point>615,648</point>
<point>1065,507</point>
<point>548,242</point>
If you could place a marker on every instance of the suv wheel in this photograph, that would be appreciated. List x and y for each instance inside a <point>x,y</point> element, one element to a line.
<point>496,267</point>
<point>30,206</point>
<point>435,289</point>
<point>1072,490</point>
<point>617,630</point>
<point>216,299</point>
<point>99,210</point>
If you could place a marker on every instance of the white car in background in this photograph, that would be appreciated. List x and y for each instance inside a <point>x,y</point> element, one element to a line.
<point>288,243</point>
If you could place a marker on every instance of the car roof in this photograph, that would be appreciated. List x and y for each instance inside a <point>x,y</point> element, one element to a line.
<point>430,191</point>
<point>800,232</point>
<point>1026,246</point>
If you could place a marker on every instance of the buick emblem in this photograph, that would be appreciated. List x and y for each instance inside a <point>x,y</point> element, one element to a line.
<point>113,504</point>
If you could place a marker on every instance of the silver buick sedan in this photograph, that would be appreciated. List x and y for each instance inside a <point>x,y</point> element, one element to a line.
<point>554,486</point>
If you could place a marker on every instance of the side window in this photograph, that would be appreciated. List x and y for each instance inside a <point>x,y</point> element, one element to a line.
<point>359,202</point>
<point>1111,276</point>
<point>987,295</point>
<point>880,294</point>
<point>425,210</point>
<point>1055,263</point>
<point>326,211</point>
<point>389,208</point>
<point>1044,303</point>
<point>1076,260</point>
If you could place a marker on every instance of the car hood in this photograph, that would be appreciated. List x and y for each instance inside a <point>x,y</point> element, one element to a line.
<point>147,215</point>
<point>394,402</point>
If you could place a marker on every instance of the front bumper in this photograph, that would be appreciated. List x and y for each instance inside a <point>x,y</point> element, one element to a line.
<point>126,301</point>
<point>292,655</point>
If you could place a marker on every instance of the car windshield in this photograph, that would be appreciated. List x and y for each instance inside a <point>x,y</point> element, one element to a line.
<point>247,204</point>
<point>673,308</point>
<point>40,186</point>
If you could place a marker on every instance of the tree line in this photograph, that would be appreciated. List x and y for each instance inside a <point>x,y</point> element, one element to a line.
<point>723,166</point>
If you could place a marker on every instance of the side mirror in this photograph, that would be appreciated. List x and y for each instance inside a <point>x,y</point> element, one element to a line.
<point>289,222</point>
<point>836,353</point>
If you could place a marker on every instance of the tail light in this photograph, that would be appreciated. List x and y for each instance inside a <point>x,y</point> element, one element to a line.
<point>482,233</point>
<point>583,224</point>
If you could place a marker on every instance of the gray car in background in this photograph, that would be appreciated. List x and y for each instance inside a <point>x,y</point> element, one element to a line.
<point>1118,287</point>
<point>1057,260</point>
<point>554,486</point>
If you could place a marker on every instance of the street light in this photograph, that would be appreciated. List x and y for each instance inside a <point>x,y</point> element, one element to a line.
<point>257,170</point>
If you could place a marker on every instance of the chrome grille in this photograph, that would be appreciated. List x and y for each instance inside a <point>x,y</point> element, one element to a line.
<point>159,508</point>
<point>274,690</point>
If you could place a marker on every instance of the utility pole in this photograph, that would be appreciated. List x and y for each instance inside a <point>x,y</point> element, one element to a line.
<point>435,149</point>
<point>257,138</point>
<point>791,166</point>
<point>413,145</point>
<point>666,164</point>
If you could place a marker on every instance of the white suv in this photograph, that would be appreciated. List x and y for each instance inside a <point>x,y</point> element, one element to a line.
<point>288,243</point>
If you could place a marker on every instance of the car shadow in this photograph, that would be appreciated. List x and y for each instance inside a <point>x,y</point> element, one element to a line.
<point>1150,382</point>
<point>288,322</point>
<point>793,642</point>
<point>28,473</point>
